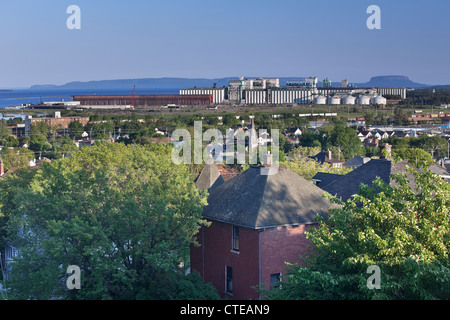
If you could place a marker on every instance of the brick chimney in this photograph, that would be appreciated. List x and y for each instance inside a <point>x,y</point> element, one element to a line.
<point>328,154</point>
<point>385,151</point>
<point>2,168</point>
<point>268,159</point>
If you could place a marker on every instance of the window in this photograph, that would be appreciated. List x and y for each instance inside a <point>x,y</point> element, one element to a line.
<point>236,238</point>
<point>229,279</point>
<point>275,281</point>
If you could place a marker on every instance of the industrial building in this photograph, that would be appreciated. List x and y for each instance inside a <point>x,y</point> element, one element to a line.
<point>248,91</point>
<point>258,89</point>
<point>400,92</point>
<point>252,91</point>
<point>55,121</point>
<point>217,93</point>
<point>143,100</point>
<point>261,91</point>
<point>288,95</point>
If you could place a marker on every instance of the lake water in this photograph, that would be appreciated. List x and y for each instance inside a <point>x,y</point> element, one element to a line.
<point>18,97</point>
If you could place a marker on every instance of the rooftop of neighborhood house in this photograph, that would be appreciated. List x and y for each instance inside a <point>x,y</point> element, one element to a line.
<point>209,178</point>
<point>327,157</point>
<point>356,162</point>
<point>256,200</point>
<point>348,185</point>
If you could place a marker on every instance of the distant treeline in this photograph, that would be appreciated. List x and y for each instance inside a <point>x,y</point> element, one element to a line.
<point>427,97</point>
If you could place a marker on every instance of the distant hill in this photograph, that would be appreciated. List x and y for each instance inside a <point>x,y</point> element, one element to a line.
<point>145,83</point>
<point>392,81</point>
<point>43,87</point>
<point>163,83</point>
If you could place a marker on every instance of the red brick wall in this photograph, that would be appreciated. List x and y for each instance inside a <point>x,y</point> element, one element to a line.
<point>218,254</point>
<point>280,245</point>
<point>277,246</point>
<point>63,122</point>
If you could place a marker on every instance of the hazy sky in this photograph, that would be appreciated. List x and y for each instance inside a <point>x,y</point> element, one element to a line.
<point>211,38</point>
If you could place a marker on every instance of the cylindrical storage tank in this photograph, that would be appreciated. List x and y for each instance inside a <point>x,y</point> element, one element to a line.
<point>378,100</point>
<point>320,100</point>
<point>363,100</point>
<point>334,100</point>
<point>348,100</point>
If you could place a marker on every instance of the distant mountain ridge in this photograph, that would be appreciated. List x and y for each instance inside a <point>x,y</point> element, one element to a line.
<point>160,83</point>
<point>392,81</point>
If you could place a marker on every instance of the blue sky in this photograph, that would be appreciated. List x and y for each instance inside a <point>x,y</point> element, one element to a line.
<point>211,38</point>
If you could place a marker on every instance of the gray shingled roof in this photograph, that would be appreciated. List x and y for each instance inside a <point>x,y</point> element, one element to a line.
<point>348,185</point>
<point>209,177</point>
<point>256,201</point>
<point>322,157</point>
<point>324,178</point>
<point>356,162</point>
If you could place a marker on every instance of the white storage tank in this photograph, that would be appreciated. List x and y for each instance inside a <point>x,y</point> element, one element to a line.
<point>334,100</point>
<point>348,100</point>
<point>363,100</point>
<point>378,100</point>
<point>320,100</point>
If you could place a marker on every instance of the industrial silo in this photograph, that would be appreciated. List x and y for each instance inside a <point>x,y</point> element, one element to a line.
<point>348,100</point>
<point>378,100</point>
<point>363,100</point>
<point>334,100</point>
<point>320,100</point>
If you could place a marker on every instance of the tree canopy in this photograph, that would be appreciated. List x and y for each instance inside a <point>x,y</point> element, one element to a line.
<point>402,230</point>
<point>126,215</point>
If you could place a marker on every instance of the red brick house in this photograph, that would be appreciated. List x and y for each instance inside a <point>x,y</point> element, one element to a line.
<point>258,223</point>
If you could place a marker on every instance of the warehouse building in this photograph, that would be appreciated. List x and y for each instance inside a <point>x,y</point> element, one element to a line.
<point>301,91</point>
<point>143,100</point>
<point>217,93</point>
<point>256,96</point>
<point>55,121</point>
<point>400,92</point>
<point>287,95</point>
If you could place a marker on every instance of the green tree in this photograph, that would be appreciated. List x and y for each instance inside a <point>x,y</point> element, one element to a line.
<point>41,128</point>
<point>10,141</point>
<point>39,142</point>
<point>405,231</point>
<point>435,145</point>
<point>10,185</point>
<point>347,140</point>
<point>124,214</point>
<point>299,161</point>
<point>17,157</point>
<point>230,120</point>
<point>76,129</point>
<point>400,117</point>
<point>415,156</point>
<point>4,134</point>
<point>310,139</point>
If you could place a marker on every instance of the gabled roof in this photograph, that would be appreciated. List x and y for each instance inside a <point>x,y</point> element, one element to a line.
<point>209,177</point>
<point>348,185</point>
<point>322,157</point>
<point>293,130</point>
<point>255,200</point>
<point>440,171</point>
<point>325,178</point>
<point>356,162</point>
